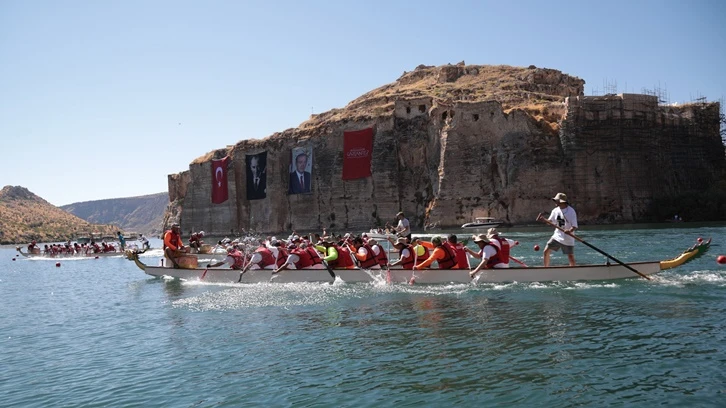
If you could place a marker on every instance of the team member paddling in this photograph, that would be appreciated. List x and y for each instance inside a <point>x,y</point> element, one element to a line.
<point>407,255</point>
<point>365,255</point>
<point>235,259</point>
<point>445,257</point>
<point>302,257</point>
<point>491,252</point>
<point>262,258</point>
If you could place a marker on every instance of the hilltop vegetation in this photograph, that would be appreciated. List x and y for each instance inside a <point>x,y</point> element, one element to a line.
<point>25,217</point>
<point>142,214</point>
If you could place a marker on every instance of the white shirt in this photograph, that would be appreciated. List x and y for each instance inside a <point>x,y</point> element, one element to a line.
<point>565,219</point>
<point>403,227</point>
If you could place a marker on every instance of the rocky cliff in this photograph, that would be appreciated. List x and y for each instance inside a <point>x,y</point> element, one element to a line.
<point>142,214</point>
<point>460,141</point>
<point>24,217</point>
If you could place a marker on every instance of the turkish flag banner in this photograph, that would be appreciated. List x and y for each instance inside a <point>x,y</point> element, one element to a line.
<point>357,154</point>
<point>219,180</point>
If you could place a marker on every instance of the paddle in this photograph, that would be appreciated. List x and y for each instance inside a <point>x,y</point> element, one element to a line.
<point>518,261</point>
<point>205,272</point>
<point>545,220</point>
<point>413,268</point>
<point>330,270</point>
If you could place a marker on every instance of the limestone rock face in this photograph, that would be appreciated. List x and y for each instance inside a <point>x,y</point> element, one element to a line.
<point>456,142</point>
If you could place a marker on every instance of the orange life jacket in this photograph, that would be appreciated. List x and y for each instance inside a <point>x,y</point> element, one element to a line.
<point>450,256</point>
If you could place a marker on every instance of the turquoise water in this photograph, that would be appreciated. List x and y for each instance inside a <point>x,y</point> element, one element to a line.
<point>99,333</point>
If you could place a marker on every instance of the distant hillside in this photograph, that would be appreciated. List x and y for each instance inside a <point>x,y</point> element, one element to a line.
<point>142,214</point>
<point>24,217</point>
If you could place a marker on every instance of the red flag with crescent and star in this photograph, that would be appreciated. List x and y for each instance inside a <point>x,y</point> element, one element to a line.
<point>219,180</point>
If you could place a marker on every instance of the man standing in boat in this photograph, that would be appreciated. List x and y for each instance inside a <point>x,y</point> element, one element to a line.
<point>121,240</point>
<point>403,229</point>
<point>565,217</point>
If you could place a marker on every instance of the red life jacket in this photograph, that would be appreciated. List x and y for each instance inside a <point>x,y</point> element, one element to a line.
<point>305,259</point>
<point>281,256</point>
<point>502,255</point>
<point>344,260</point>
<point>382,258</point>
<point>370,258</point>
<point>239,259</point>
<point>314,256</point>
<point>194,238</point>
<point>408,261</point>
<point>461,258</point>
<point>449,260</point>
<point>267,258</point>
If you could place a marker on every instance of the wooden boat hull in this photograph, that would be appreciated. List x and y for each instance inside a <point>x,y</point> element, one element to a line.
<point>597,272</point>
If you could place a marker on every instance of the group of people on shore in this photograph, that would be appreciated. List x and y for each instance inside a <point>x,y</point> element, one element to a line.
<point>320,251</point>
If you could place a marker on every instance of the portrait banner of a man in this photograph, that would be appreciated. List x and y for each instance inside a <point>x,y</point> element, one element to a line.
<point>256,176</point>
<point>301,166</point>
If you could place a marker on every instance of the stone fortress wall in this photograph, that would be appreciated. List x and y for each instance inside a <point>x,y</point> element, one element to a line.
<point>446,160</point>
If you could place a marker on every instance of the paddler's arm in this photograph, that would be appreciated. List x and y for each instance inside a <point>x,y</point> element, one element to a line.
<point>332,255</point>
<point>438,253</point>
<point>472,252</point>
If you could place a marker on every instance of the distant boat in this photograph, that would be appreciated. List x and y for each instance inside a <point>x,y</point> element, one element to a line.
<point>482,222</point>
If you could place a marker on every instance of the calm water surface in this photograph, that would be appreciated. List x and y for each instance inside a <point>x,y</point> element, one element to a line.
<point>99,333</point>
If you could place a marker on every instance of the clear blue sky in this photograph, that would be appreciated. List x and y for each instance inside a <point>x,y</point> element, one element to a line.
<point>104,99</point>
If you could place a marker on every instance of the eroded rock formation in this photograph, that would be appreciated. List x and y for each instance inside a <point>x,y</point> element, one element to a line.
<point>455,142</point>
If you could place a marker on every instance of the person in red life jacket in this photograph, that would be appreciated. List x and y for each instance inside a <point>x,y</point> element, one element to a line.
<point>173,246</point>
<point>301,257</point>
<point>235,259</point>
<point>442,254</point>
<point>462,261</point>
<point>336,256</point>
<point>195,241</point>
<point>378,251</point>
<point>493,251</point>
<point>406,254</point>
<point>262,258</point>
<point>364,254</point>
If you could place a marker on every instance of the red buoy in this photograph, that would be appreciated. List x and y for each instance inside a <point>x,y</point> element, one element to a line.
<point>536,247</point>
<point>516,243</point>
<point>13,259</point>
<point>96,257</point>
<point>721,259</point>
<point>699,239</point>
<point>57,264</point>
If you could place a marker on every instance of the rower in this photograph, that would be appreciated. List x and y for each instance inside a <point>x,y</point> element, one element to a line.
<point>445,257</point>
<point>262,258</point>
<point>234,258</point>
<point>301,257</point>
<point>378,251</point>
<point>407,256</point>
<point>491,254</point>
<point>195,241</point>
<point>365,255</point>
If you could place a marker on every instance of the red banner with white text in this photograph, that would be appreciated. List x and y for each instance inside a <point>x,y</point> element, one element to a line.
<point>219,180</point>
<point>357,154</point>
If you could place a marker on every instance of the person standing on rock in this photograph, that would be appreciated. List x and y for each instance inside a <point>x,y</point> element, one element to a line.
<point>564,217</point>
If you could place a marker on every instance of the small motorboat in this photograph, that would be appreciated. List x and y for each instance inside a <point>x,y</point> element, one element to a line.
<point>482,222</point>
